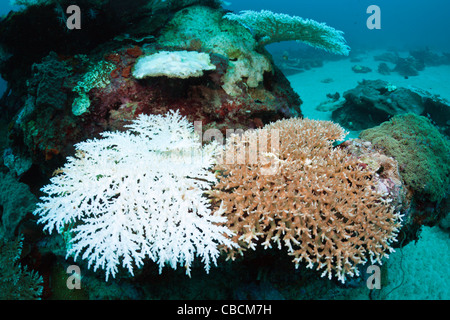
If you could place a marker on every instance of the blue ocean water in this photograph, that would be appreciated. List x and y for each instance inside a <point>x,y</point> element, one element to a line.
<point>404,24</point>
<point>421,269</point>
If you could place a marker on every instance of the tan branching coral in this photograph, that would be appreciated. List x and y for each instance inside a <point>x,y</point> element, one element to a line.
<point>319,202</point>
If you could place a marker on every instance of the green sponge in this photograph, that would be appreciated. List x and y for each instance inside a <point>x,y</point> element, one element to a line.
<point>422,152</point>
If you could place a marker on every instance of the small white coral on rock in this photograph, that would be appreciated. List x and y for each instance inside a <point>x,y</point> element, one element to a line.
<point>205,26</point>
<point>138,194</point>
<point>173,64</point>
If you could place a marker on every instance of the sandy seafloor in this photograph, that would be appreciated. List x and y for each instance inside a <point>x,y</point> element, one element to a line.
<point>421,269</point>
<point>313,91</point>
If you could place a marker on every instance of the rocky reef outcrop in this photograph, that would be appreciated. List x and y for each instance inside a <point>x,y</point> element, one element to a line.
<point>74,84</point>
<point>372,102</point>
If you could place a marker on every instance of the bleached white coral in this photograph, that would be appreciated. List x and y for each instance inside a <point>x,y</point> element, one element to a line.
<point>138,194</point>
<point>268,27</point>
<point>205,26</point>
<point>173,64</point>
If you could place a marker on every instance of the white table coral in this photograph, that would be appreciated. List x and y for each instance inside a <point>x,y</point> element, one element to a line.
<point>269,27</point>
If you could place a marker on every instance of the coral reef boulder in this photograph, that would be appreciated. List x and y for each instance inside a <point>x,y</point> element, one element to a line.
<point>384,69</point>
<point>373,102</point>
<point>96,91</point>
<point>361,69</point>
<point>411,65</point>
